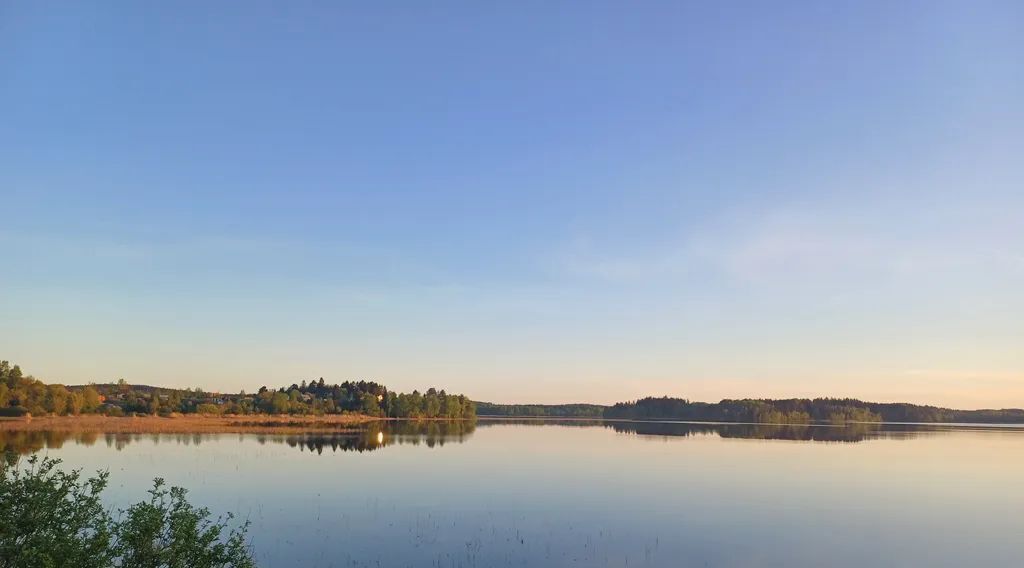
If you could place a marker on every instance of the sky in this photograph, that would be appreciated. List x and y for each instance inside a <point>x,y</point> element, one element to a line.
<point>524,202</point>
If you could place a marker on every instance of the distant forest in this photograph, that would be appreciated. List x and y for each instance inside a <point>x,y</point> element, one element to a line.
<point>548,410</point>
<point>765,411</point>
<point>802,411</point>
<point>22,394</point>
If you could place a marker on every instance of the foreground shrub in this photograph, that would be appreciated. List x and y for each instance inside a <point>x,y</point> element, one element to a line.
<point>51,518</point>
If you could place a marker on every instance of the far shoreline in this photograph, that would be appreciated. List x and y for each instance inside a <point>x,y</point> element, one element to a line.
<point>297,424</point>
<point>188,423</point>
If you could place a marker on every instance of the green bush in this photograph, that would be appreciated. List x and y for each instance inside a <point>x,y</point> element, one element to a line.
<point>13,411</point>
<point>207,408</point>
<point>112,410</point>
<point>50,518</point>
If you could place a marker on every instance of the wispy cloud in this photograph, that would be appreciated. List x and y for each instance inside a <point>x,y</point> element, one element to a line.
<point>585,257</point>
<point>814,242</point>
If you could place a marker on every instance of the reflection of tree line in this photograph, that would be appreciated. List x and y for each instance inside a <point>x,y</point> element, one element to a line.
<point>805,432</point>
<point>438,433</point>
<point>367,438</point>
<point>430,434</point>
<point>852,432</point>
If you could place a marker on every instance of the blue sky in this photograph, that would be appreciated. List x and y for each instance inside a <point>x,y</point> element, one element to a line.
<point>523,202</point>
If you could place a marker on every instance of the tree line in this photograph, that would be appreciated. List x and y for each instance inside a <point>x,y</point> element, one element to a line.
<point>801,411</point>
<point>363,397</point>
<point>22,394</point>
<point>545,410</point>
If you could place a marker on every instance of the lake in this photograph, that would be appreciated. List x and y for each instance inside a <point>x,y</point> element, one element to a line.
<point>585,493</point>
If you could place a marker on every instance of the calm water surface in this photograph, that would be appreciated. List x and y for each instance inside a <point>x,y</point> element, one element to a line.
<point>590,494</point>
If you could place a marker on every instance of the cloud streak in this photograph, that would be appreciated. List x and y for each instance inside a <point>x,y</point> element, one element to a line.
<point>820,243</point>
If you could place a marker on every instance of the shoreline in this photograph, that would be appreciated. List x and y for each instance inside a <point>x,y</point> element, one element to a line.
<point>290,424</point>
<point>186,424</point>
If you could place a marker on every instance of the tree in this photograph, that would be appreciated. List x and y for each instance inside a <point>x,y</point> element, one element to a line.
<point>415,404</point>
<point>13,375</point>
<point>369,404</point>
<point>174,403</point>
<point>432,404</point>
<point>91,399</point>
<point>75,402</point>
<point>279,403</point>
<point>56,400</point>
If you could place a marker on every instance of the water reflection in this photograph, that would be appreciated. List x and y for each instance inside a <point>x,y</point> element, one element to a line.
<point>366,438</point>
<point>802,432</point>
<point>375,436</point>
<point>853,432</point>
